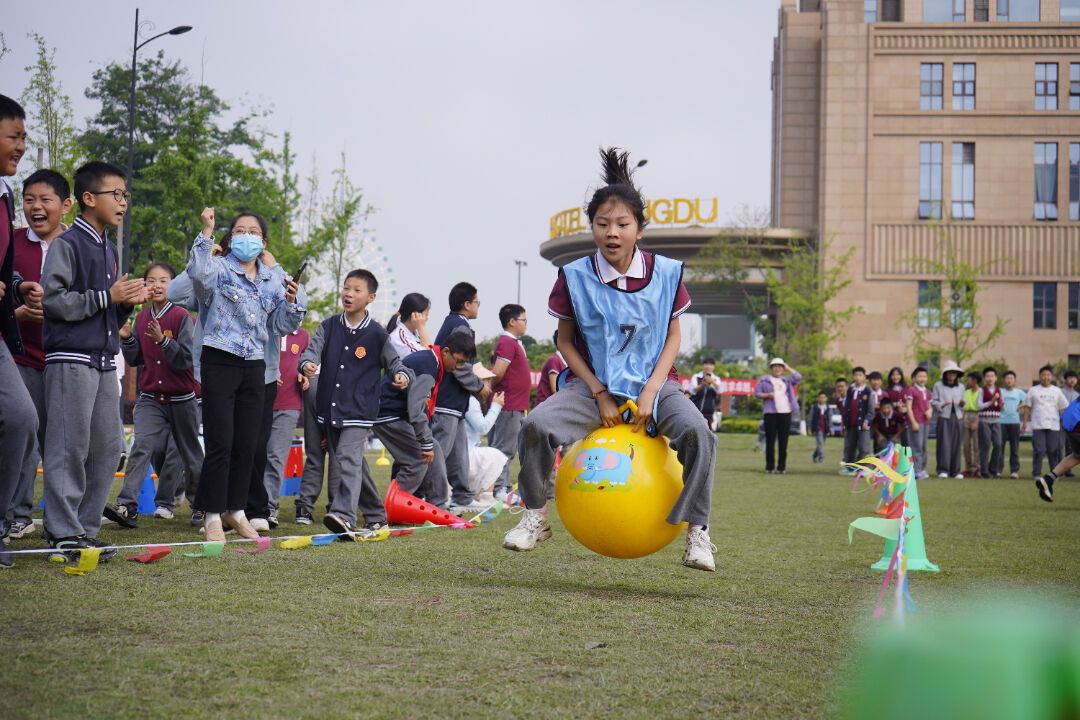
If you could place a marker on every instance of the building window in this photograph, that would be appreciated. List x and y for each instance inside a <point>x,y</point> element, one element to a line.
<point>930,180</point>
<point>1070,10</point>
<point>963,181</point>
<point>1046,181</point>
<point>870,10</point>
<point>931,86</point>
<point>1074,306</point>
<point>890,10</point>
<point>1046,86</point>
<point>1018,10</point>
<point>943,10</point>
<point>1074,181</point>
<point>1045,305</point>
<point>929,303</point>
<point>982,10</point>
<point>961,314</point>
<point>1074,85</point>
<point>963,86</point>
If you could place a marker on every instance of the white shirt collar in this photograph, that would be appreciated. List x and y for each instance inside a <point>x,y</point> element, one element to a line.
<point>609,274</point>
<point>33,237</point>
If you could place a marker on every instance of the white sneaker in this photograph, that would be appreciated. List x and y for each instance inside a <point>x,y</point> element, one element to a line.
<point>958,476</point>
<point>699,550</point>
<point>943,475</point>
<point>533,528</point>
<point>21,530</point>
<point>260,524</point>
<point>163,513</point>
<point>471,509</point>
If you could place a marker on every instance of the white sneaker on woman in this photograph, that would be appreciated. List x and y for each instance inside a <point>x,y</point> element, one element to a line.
<point>532,528</point>
<point>699,550</point>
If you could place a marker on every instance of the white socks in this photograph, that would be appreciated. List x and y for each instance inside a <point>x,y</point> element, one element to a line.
<point>211,517</point>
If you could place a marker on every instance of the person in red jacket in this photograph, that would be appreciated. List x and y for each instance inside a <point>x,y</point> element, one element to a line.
<point>287,406</point>
<point>46,200</point>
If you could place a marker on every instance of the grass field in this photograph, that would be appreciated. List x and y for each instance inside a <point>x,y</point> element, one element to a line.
<point>447,624</point>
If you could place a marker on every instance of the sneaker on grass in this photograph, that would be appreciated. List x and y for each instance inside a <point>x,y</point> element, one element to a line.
<point>163,513</point>
<point>260,524</point>
<point>303,517</point>
<point>472,508</point>
<point>198,517</point>
<point>699,550</point>
<point>345,530</point>
<point>272,521</point>
<point>66,550</point>
<point>108,550</point>
<point>20,529</point>
<point>375,527</point>
<point>123,515</point>
<point>1046,488</point>
<point>532,528</point>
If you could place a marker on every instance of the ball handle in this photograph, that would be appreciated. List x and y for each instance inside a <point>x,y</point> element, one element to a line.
<point>628,405</point>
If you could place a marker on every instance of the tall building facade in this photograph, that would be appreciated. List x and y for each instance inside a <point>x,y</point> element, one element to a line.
<point>902,125</point>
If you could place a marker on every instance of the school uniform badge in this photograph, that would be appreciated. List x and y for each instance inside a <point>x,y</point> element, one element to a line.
<point>295,349</point>
<point>168,333</point>
<point>361,352</point>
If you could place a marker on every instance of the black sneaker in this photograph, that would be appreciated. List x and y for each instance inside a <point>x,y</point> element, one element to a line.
<point>272,521</point>
<point>303,517</point>
<point>345,530</point>
<point>1046,488</point>
<point>375,526</point>
<point>6,558</point>
<point>66,550</point>
<point>123,515</point>
<point>198,517</point>
<point>108,550</point>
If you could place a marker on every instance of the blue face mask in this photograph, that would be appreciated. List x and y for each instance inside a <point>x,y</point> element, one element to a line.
<point>246,247</point>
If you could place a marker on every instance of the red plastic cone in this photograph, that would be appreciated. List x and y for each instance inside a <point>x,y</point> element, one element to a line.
<point>294,465</point>
<point>401,507</point>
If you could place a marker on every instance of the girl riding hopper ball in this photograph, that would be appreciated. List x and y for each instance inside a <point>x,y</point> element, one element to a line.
<point>614,490</point>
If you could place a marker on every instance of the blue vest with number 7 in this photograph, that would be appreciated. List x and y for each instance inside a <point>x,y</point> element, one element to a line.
<point>623,330</point>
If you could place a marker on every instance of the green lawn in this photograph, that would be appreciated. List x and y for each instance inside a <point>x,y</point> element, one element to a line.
<point>448,624</point>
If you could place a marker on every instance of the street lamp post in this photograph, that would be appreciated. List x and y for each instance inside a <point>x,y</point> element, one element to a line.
<point>125,234</point>
<point>520,264</point>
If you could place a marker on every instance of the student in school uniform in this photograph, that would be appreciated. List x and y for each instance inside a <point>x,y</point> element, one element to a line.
<point>1012,411</point>
<point>19,430</point>
<point>705,390</point>
<point>918,397</point>
<point>856,418</point>
<point>1044,403</point>
<point>408,326</point>
<point>888,425</point>
<point>46,200</point>
<point>991,460</point>
<point>512,378</point>
<point>352,351</point>
<point>448,423</point>
<point>287,405</point>
<point>161,343</point>
<point>404,424</point>
<point>817,423</point>
<point>86,300</point>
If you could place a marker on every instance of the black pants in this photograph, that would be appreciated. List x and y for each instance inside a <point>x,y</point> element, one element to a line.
<point>777,426</point>
<point>232,403</point>
<point>258,501</point>
<point>1010,435</point>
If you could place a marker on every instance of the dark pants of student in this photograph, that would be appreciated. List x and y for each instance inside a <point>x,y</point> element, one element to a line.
<point>1010,436</point>
<point>950,436</point>
<point>233,393</point>
<point>1044,444</point>
<point>352,486</point>
<point>917,440</point>
<point>572,413</point>
<point>82,448</point>
<point>18,429</point>
<point>857,444</point>
<point>314,455</point>
<point>155,423</point>
<point>258,501</point>
<point>449,432</point>
<point>414,476</point>
<point>22,503</point>
<point>819,447</point>
<point>991,461</point>
<point>282,432</point>
<point>504,436</point>
<point>777,426</point>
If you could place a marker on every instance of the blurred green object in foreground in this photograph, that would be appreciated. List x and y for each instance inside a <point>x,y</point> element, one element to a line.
<point>1009,659</point>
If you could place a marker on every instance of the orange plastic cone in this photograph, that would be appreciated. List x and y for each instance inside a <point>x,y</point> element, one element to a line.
<point>401,507</point>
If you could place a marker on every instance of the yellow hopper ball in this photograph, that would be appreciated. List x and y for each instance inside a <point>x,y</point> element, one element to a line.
<point>615,489</point>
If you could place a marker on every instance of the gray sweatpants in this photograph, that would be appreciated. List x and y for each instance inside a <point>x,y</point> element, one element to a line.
<point>427,482</point>
<point>81,447</point>
<point>155,424</point>
<point>18,430</point>
<point>572,413</point>
<point>1045,444</point>
<point>819,447</point>
<point>282,432</point>
<point>991,458</point>
<point>504,436</point>
<point>918,439</point>
<point>857,444</point>
<point>449,432</point>
<point>314,456</point>
<point>351,486</point>
<point>22,503</point>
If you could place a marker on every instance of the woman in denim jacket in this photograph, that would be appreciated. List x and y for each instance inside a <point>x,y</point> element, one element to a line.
<point>244,305</point>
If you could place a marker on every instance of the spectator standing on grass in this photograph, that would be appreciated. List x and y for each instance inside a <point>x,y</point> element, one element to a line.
<point>857,415</point>
<point>705,390</point>
<point>288,403</point>
<point>947,400</point>
<point>817,423</point>
<point>920,412</point>
<point>990,405</point>
<point>777,391</point>
<point>1045,402</point>
<point>972,394</point>
<point>1012,410</point>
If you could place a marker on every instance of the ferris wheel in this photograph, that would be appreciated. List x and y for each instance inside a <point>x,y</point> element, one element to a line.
<point>366,253</point>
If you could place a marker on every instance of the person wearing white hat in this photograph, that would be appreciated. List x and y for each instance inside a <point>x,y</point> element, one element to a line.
<point>947,400</point>
<point>777,391</point>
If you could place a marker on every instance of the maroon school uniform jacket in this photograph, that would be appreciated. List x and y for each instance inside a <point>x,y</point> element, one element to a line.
<point>28,265</point>
<point>168,374</point>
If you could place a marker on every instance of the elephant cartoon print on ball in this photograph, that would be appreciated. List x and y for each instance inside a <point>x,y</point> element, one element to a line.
<point>600,468</point>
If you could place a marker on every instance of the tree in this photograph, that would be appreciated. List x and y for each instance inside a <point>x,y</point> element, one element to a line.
<point>955,317</point>
<point>51,121</point>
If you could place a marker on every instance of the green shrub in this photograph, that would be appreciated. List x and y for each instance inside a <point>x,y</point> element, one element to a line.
<point>740,425</point>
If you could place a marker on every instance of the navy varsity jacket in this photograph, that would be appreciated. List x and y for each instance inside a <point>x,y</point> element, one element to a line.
<point>456,387</point>
<point>414,403</point>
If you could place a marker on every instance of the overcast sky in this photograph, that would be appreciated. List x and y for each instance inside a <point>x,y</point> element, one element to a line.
<point>467,124</point>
